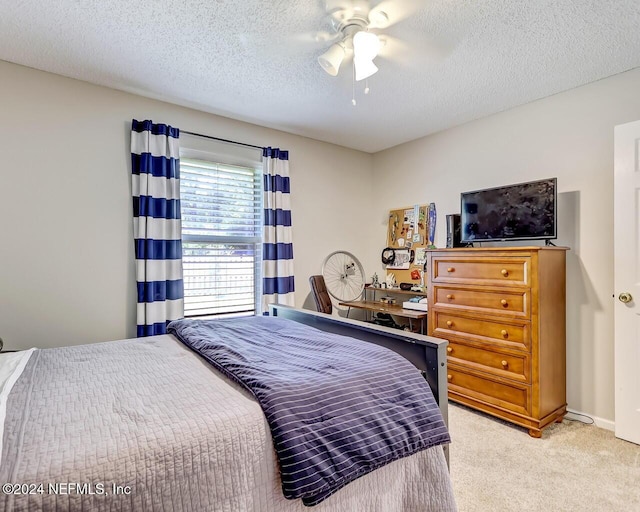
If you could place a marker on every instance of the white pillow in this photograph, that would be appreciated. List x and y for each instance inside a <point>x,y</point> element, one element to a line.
<point>12,364</point>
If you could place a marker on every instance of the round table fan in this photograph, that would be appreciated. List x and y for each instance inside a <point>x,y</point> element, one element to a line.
<point>343,276</point>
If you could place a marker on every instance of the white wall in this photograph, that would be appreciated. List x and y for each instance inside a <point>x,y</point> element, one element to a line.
<point>569,135</point>
<point>66,256</point>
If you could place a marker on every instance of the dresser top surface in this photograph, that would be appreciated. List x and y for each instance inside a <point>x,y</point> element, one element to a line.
<point>502,249</point>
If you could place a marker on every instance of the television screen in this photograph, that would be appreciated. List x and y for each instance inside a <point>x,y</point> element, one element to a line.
<point>526,211</point>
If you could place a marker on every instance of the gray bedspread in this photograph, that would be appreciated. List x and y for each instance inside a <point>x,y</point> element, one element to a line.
<point>142,425</point>
<point>337,407</point>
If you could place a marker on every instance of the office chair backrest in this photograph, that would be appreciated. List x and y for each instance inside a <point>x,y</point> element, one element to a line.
<point>320,294</point>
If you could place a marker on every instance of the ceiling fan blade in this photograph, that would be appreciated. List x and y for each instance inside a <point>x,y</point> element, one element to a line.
<point>320,37</point>
<point>288,44</point>
<point>307,30</point>
<point>390,12</point>
<point>410,55</point>
<point>395,49</point>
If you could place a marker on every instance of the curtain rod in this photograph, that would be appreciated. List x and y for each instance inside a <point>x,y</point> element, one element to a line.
<point>222,140</point>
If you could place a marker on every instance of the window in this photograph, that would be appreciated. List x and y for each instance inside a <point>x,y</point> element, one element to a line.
<point>221,207</point>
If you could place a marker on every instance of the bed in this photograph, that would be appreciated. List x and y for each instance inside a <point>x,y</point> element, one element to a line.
<point>148,424</point>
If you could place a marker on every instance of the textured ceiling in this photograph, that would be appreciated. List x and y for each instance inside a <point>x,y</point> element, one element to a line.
<point>446,62</point>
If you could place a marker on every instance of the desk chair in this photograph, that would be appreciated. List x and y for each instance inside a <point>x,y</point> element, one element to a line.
<point>320,294</point>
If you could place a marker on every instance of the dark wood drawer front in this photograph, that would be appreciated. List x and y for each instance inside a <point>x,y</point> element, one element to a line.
<point>513,303</point>
<point>496,333</point>
<point>486,270</point>
<point>509,395</point>
<point>510,366</point>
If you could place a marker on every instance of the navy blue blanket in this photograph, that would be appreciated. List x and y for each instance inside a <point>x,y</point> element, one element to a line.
<point>337,407</point>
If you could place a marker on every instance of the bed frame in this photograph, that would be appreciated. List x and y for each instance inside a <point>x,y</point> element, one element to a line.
<point>427,353</point>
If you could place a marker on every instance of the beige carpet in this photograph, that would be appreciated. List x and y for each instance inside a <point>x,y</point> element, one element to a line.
<point>497,467</point>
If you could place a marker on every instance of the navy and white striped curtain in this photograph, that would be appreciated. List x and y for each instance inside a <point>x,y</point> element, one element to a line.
<point>277,247</point>
<point>155,166</point>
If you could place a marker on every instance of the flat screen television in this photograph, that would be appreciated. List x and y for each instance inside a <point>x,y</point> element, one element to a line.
<point>525,211</point>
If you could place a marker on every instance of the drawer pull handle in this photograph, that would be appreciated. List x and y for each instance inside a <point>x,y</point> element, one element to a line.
<point>449,296</point>
<point>449,377</point>
<point>451,269</point>
<point>504,363</point>
<point>449,350</point>
<point>504,333</point>
<point>504,272</point>
<point>449,323</point>
<point>504,303</point>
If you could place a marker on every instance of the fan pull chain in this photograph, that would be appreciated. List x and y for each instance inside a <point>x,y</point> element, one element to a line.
<point>366,86</point>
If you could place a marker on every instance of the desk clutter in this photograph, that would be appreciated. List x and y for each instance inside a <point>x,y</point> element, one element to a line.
<point>417,303</point>
<point>410,232</point>
<point>393,292</point>
<point>386,320</point>
<point>383,306</point>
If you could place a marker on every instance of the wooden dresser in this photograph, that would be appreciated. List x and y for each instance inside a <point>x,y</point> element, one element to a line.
<point>503,312</point>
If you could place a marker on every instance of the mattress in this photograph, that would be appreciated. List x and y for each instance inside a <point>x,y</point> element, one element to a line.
<point>148,425</point>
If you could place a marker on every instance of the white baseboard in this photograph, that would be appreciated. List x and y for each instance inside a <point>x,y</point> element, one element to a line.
<point>598,422</point>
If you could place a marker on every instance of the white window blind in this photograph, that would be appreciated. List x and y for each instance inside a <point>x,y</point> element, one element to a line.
<point>221,237</point>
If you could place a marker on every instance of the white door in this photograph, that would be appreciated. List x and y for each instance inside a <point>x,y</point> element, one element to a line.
<point>627,280</point>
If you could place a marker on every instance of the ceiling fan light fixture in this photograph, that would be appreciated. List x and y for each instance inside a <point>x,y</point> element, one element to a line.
<point>366,45</point>
<point>331,59</point>
<point>379,18</point>
<point>364,68</point>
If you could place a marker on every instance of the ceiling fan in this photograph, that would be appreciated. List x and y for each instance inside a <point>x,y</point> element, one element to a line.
<point>355,24</point>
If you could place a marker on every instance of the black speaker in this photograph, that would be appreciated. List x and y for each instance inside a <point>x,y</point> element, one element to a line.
<point>453,230</point>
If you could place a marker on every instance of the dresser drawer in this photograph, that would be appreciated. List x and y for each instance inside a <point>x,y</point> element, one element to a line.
<point>487,270</point>
<point>511,335</point>
<point>511,366</point>
<point>506,394</point>
<point>505,302</point>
